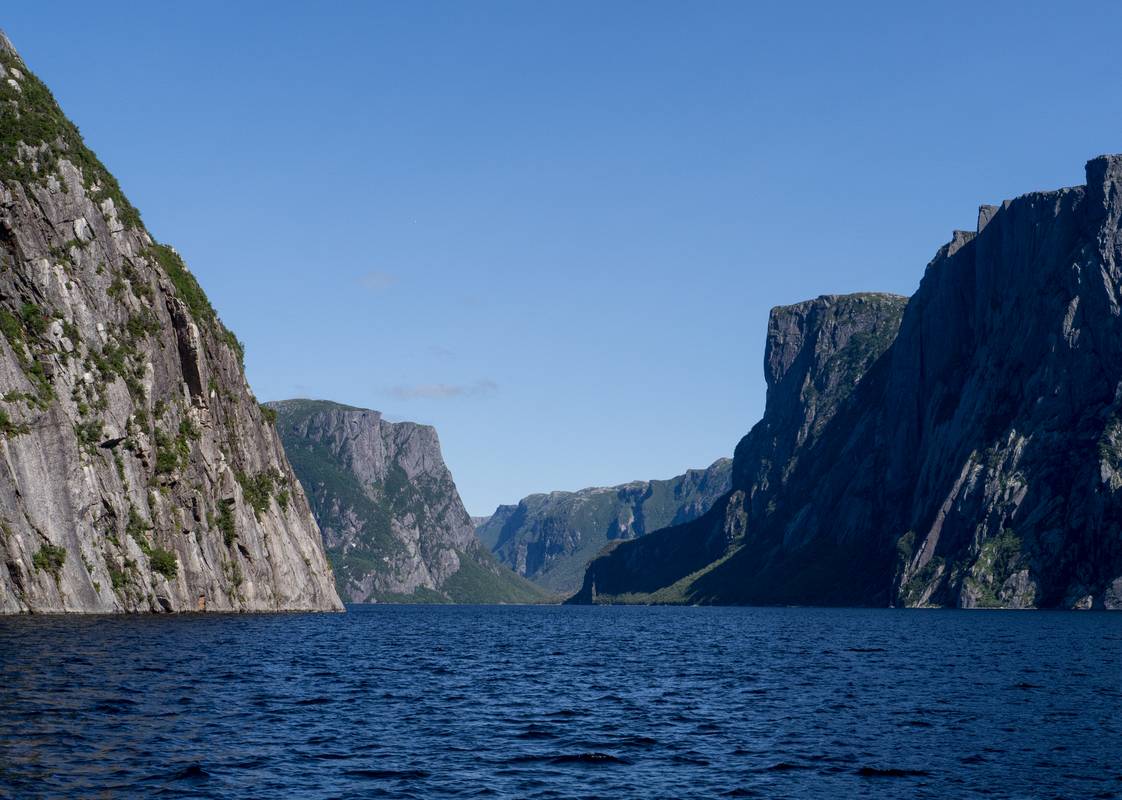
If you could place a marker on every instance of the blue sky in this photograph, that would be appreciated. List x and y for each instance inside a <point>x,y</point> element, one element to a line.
<point>554,230</point>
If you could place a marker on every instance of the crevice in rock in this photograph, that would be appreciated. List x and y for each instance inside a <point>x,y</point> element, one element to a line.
<point>190,349</point>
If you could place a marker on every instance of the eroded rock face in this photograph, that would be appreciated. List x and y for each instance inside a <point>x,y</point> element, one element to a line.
<point>550,538</point>
<point>137,472</point>
<point>392,519</point>
<point>977,461</point>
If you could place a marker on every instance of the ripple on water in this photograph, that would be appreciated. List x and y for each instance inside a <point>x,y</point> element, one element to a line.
<point>387,774</point>
<point>554,702</point>
<point>891,772</point>
<point>192,772</point>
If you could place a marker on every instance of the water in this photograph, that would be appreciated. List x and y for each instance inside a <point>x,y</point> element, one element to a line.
<point>548,702</point>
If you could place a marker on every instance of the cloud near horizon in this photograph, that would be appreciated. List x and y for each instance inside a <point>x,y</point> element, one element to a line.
<point>377,281</point>
<point>442,391</point>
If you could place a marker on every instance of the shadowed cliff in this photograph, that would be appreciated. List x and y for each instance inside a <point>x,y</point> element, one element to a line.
<point>977,461</point>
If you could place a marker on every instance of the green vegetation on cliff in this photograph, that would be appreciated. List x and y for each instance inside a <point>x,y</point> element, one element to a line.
<point>35,122</point>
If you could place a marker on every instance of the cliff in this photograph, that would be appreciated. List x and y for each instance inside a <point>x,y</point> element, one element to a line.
<point>392,519</point>
<point>981,462</point>
<point>816,355</point>
<point>138,472</point>
<point>550,538</point>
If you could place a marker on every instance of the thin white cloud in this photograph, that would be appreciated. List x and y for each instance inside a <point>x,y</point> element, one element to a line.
<point>443,391</point>
<point>377,281</point>
<point>444,353</point>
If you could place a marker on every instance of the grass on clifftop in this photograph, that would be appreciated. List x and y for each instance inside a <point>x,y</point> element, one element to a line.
<point>31,116</point>
<point>35,134</point>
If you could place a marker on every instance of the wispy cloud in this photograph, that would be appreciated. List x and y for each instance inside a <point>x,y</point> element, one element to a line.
<point>443,353</point>
<point>443,391</point>
<point>376,281</point>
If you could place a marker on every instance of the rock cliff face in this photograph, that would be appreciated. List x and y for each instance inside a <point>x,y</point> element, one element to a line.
<point>550,538</point>
<point>978,461</point>
<point>393,523</point>
<point>138,472</point>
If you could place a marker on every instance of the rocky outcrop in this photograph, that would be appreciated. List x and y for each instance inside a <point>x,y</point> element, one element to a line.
<point>137,472</point>
<point>550,538</point>
<point>392,519</point>
<point>977,463</point>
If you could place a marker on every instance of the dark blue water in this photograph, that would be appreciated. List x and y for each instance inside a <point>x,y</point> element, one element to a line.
<point>420,702</point>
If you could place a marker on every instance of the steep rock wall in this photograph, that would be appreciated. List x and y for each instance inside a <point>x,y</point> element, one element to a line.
<point>392,519</point>
<point>979,462</point>
<point>137,472</point>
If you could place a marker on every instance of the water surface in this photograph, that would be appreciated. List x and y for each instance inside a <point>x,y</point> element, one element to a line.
<point>560,702</point>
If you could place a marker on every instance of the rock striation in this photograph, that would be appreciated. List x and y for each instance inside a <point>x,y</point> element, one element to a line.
<point>550,538</point>
<point>392,519</point>
<point>138,473</point>
<point>977,460</point>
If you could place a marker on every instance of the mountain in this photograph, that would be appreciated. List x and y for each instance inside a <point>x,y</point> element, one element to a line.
<point>550,538</point>
<point>138,471</point>
<point>976,462</point>
<point>393,523</point>
<point>816,354</point>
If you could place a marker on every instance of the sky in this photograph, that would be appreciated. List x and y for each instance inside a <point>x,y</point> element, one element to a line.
<point>554,230</point>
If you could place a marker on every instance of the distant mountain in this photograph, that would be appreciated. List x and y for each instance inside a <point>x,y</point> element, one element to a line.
<point>550,538</point>
<point>393,523</point>
<point>137,471</point>
<point>961,448</point>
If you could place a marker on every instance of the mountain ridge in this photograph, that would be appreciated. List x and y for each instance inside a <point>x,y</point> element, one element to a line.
<point>549,537</point>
